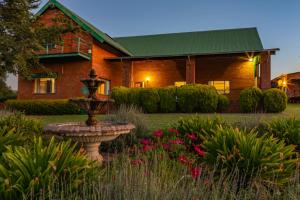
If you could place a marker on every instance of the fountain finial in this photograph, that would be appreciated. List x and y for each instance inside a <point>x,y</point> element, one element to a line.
<point>92,74</point>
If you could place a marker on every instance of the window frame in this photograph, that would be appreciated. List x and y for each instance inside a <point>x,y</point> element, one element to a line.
<point>37,86</point>
<point>224,91</point>
<point>107,87</point>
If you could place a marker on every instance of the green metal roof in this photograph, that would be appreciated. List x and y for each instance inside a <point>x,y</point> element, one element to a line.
<point>96,33</point>
<point>193,43</point>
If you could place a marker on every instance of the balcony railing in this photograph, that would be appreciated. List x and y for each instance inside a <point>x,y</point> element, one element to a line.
<point>72,46</point>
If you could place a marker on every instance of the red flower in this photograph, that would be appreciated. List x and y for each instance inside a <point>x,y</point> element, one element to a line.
<point>192,136</point>
<point>147,148</point>
<point>158,133</point>
<point>183,159</point>
<point>176,141</point>
<point>145,141</point>
<point>196,172</point>
<point>165,146</point>
<point>173,130</point>
<point>137,162</point>
<point>199,151</point>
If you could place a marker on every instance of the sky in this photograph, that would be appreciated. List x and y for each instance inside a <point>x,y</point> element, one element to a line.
<point>277,21</point>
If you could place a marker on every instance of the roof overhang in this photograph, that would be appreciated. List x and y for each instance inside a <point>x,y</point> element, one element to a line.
<point>159,57</point>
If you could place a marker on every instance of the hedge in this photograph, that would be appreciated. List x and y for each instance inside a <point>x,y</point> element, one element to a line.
<point>189,98</point>
<point>149,100</point>
<point>167,99</point>
<point>223,103</point>
<point>44,107</point>
<point>250,99</point>
<point>274,100</point>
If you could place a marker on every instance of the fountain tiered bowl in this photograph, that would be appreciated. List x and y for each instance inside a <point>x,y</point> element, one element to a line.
<point>91,133</point>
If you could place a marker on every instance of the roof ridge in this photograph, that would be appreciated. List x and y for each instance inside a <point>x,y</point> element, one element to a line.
<point>94,31</point>
<point>187,32</point>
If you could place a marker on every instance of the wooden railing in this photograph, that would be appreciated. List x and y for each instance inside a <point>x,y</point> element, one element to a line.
<point>67,46</point>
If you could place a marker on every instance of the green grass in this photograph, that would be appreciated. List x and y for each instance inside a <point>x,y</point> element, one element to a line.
<point>156,121</point>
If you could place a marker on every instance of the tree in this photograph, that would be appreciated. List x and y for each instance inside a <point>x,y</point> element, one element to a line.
<point>21,36</point>
<point>6,92</point>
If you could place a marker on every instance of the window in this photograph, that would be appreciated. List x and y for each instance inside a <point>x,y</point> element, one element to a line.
<point>180,83</point>
<point>139,84</point>
<point>44,86</point>
<point>104,88</point>
<point>223,87</point>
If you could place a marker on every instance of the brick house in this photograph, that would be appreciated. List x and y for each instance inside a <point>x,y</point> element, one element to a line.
<point>231,60</point>
<point>290,83</point>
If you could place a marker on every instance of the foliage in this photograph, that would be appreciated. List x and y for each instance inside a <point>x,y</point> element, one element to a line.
<point>167,97</point>
<point>25,171</point>
<point>18,122</point>
<point>250,100</point>
<point>207,98</point>
<point>202,127</point>
<point>231,149</point>
<point>223,103</point>
<point>44,107</point>
<point>6,92</point>
<point>21,36</point>
<point>120,95</point>
<point>149,100</point>
<point>187,99</point>
<point>134,97</point>
<point>284,129</point>
<point>275,100</point>
<point>127,114</point>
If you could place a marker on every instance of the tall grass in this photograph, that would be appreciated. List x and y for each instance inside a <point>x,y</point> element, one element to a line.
<point>161,178</point>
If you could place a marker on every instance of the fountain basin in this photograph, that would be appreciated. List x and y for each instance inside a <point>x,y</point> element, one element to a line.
<point>90,137</point>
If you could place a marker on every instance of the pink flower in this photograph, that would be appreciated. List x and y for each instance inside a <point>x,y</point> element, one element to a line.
<point>137,162</point>
<point>183,159</point>
<point>196,172</point>
<point>173,130</point>
<point>176,141</point>
<point>199,151</point>
<point>146,141</point>
<point>192,136</point>
<point>158,133</point>
<point>147,148</point>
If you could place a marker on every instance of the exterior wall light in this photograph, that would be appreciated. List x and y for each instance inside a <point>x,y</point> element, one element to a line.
<point>147,78</point>
<point>251,59</point>
<point>284,84</point>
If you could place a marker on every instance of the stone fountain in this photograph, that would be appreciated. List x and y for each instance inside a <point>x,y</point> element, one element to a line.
<point>91,133</point>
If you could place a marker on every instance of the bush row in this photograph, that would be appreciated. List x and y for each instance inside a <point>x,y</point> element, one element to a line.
<point>44,107</point>
<point>271,100</point>
<point>188,98</point>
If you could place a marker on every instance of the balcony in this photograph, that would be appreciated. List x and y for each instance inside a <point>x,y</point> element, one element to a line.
<point>69,48</point>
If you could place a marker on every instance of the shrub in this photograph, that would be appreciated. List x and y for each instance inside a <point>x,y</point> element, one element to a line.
<point>187,99</point>
<point>127,114</point>
<point>250,99</point>
<point>223,103</point>
<point>275,100</point>
<point>233,150</point>
<point>120,95</point>
<point>44,107</point>
<point>149,100</point>
<point>19,122</point>
<point>203,127</point>
<point>27,171</point>
<point>284,129</point>
<point>167,99</point>
<point>134,97</point>
<point>206,98</point>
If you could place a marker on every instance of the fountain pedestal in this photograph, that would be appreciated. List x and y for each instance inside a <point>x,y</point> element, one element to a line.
<point>92,151</point>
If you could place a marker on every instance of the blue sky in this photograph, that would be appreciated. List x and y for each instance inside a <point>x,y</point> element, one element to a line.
<point>278,21</point>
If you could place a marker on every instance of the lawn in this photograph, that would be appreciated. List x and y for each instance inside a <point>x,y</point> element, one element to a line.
<point>156,121</point>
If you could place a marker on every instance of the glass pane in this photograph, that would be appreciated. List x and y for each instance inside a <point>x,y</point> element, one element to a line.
<point>179,84</point>
<point>223,87</point>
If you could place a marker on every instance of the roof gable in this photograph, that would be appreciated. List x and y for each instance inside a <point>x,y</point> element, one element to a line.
<point>95,32</point>
<point>204,42</point>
